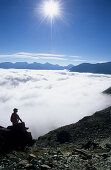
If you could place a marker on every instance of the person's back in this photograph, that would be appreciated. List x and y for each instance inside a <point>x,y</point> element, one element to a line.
<point>15,117</point>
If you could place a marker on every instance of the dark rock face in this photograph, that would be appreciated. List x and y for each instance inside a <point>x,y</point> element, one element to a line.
<point>63,136</point>
<point>108,91</point>
<point>14,137</point>
<point>91,145</point>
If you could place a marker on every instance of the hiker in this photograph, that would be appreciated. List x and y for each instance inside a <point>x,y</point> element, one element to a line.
<point>15,120</point>
<point>15,117</point>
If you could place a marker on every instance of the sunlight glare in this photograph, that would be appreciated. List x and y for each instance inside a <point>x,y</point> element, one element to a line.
<point>51,8</point>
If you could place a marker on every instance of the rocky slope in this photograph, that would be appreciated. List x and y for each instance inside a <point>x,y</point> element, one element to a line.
<point>85,145</point>
<point>94,128</point>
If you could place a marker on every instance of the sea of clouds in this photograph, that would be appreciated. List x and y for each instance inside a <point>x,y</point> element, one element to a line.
<point>50,99</point>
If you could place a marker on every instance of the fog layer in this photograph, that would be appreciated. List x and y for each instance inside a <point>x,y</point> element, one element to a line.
<point>50,99</point>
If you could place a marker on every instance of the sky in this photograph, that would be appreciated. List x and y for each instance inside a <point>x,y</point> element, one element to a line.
<point>81,33</point>
<point>48,100</point>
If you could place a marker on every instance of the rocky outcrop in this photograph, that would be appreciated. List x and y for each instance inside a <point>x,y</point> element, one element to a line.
<point>108,91</point>
<point>14,137</point>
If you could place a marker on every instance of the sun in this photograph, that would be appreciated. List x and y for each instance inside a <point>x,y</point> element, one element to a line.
<point>51,9</point>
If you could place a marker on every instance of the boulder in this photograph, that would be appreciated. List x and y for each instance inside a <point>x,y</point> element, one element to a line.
<point>14,137</point>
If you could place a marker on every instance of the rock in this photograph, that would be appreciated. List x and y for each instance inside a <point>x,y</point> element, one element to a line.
<point>59,152</point>
<point>105,155</point>
<point>63,136</point>
<point>31,156</point>
<point>91,145</point>
<point>82,153</point>
<point>2,168</point>
<point>30,167</point>
<point>22,163</point>
<point>45,167</point>
<point>14,137</point>
<point>108,146</point>
<point>90,168</point>
<point>4,138</point>
<point>34,162</point>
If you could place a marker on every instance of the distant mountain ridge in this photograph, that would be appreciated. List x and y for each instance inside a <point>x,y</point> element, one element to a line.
<point>33,66</point>
<point>100,68</point>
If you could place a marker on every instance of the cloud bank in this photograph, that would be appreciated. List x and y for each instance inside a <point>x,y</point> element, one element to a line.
<point>50,99</point>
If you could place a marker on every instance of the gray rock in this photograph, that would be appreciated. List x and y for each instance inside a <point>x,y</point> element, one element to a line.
<point>44,167</point>
<point>22,163</point>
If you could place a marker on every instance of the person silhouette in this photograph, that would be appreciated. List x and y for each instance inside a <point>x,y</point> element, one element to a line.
<point>15,120</point>
<point>15,117</point>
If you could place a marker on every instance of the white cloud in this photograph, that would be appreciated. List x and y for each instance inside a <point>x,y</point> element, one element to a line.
<point>53,58</point>
<point>79,60</point>
<point>35,56</point>
<point>95,62</point>
<point>49,99</point>
<point>102,61</point>
<point>75,56</point>
<point>41,54</point>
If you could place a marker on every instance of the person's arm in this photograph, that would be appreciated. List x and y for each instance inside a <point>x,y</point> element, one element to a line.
<point>19,118</point>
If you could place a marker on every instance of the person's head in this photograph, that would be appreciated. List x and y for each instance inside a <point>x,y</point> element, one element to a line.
<point>15,110</point>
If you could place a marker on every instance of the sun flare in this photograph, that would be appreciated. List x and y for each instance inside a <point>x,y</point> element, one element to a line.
<point>51,9</point>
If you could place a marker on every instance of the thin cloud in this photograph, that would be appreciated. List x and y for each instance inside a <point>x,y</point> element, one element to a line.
<point>33,55</point>
<point>75,56</point>
<point>79,60</point>
<point>102,62</point>
<point>53,58</point>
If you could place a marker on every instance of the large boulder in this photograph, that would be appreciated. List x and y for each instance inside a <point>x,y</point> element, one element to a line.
<point>14,137</point>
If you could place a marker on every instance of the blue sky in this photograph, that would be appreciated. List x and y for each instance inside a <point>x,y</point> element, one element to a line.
<point>82,35</point>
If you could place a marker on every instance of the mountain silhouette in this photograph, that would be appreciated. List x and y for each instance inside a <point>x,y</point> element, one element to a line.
<point>33,66</point>
<point>101,68</point>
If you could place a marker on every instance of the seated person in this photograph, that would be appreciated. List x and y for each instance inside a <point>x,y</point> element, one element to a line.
<point>15,117</point>
<point>15,120</point>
